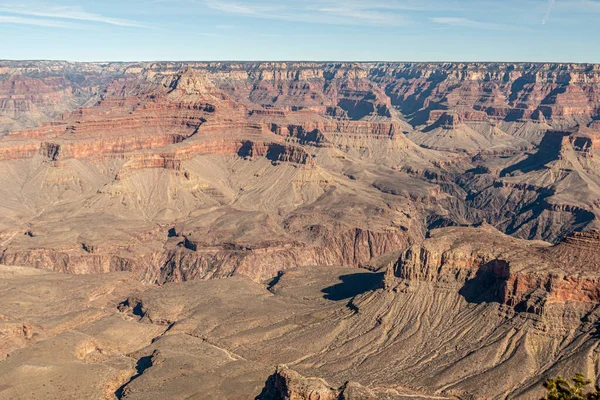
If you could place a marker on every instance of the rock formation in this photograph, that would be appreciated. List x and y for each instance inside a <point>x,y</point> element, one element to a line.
<point>288,384</point>
<point>469,191</point>
<point>467,313</point>
<point>325,164</point>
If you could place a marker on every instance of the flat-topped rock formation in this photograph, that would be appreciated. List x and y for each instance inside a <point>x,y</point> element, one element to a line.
<point>466,313</point>
<point>260,167</point>
<point>492,267</point>
<point>299,230</point>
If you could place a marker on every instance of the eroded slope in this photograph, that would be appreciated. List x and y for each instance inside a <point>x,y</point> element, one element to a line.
<point>469,312</point>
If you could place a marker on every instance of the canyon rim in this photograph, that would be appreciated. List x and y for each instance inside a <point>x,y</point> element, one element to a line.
<point>299,230</point>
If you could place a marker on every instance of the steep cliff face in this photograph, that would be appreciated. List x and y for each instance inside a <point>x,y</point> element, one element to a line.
<point>465,313</point>
<point>261,261</point>
<point>322,163</point>
<point>544,194</point>
<point>503,91</point>
<point>288,384</point>
<point>35,92</point>
<point>524,275</point>
<point>24,101</point>
<point>277,153</point>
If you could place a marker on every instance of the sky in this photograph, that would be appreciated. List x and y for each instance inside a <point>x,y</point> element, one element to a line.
<point>319,30</point>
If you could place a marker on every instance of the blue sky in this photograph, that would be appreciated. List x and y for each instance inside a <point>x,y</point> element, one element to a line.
<point>322,30</point>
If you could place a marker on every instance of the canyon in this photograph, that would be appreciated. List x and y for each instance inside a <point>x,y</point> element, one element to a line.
<point>298,230</point>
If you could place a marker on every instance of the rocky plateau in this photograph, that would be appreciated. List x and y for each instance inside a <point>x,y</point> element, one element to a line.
<point>228,230</point>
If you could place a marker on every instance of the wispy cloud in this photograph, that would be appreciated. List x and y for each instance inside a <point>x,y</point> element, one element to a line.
<point>5,19</point>
<point>551,4</point>
<point>357,15</point>
<point>319,11</point>
<point>68,13</point>
<point>229,7</point>
<point>469,23</point>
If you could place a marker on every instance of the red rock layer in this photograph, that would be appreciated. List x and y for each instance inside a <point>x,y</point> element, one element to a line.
<point>277,152</point>
<point>120,144</point>
<point>517,273</point>
<point>14,151</point>
<point>450,120</point>
<point>370,129</point>
<point>513,91</point>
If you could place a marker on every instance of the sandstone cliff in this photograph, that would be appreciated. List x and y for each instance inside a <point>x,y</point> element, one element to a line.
<point>331,163</point>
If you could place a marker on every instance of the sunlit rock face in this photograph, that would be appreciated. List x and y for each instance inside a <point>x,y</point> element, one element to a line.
<point>297,230</point>
<point>259,167</point>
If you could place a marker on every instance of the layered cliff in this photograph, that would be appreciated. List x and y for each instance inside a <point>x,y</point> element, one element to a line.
<point>131,187</point>
<point>437,324</point>
<point>490,266</point>
<point>259,167</point>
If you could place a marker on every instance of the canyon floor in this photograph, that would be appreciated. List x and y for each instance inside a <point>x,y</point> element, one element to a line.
<point>421,328</point>
<point>297,230</point>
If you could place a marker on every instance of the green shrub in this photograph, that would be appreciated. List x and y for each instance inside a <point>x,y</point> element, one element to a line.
<point>573,389</point>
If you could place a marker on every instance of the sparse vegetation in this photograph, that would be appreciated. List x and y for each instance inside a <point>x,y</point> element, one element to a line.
<point>570,389</point>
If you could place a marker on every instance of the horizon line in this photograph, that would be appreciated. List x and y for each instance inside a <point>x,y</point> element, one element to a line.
<point>299,61</point>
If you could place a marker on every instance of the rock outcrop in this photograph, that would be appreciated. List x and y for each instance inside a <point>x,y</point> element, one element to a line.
<point>489,266</point>
<point>132,187</point>
<point>466,313</point>
<point>262,167</point>
<point>290,385</point>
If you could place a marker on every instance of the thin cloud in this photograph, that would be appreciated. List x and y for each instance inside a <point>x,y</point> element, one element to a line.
<point>5,19</point>
<point>359,14</point>
<point>404,5</point>
<point>321,12</point>
<point>469,23</point>
<point>70,13</point>
<point>551,4</point>
<point>234,8</point>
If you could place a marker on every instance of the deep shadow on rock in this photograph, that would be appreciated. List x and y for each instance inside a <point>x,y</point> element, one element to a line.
<point>353,285</point>
<point>487,286</point>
